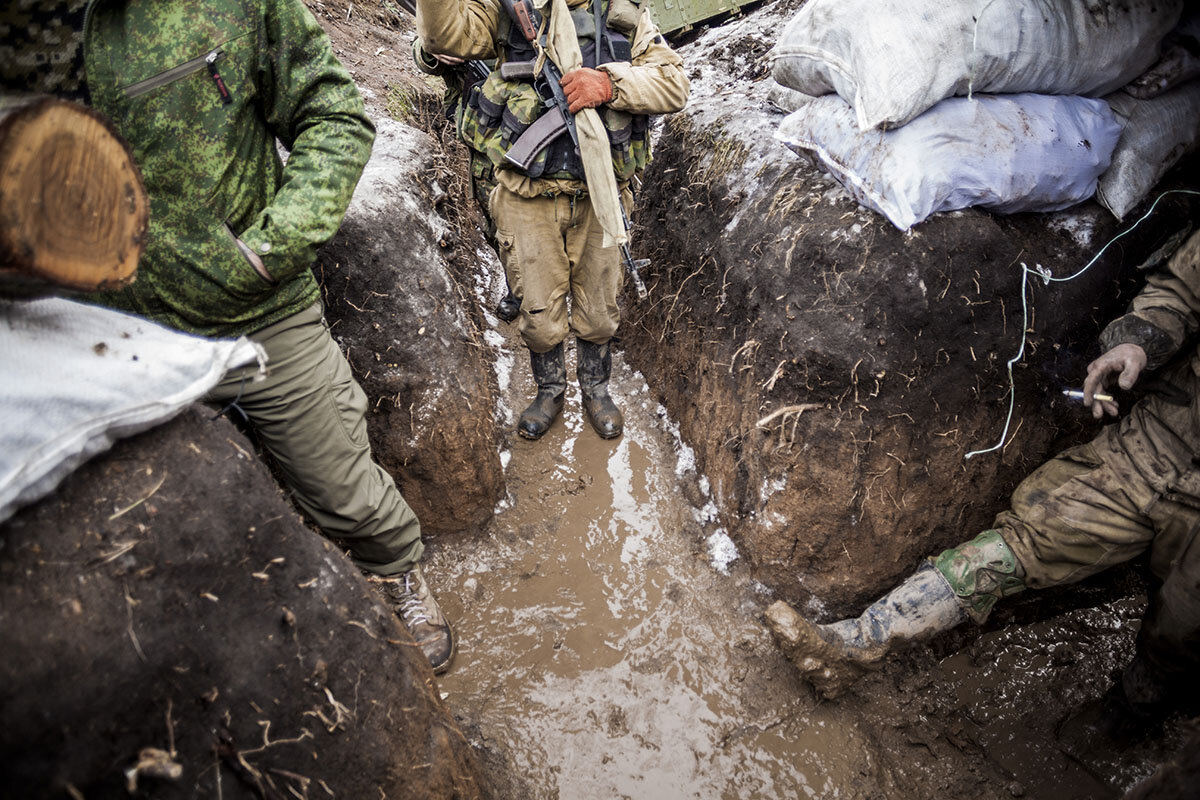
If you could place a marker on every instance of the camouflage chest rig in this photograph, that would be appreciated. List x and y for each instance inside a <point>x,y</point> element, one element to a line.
<point>498,110</point>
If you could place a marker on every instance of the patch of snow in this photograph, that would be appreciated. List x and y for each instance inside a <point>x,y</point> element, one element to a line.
<point>721,551</point>
<point>1080,225</point>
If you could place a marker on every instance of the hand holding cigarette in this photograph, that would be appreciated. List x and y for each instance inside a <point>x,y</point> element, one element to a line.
<point>1125,361</point>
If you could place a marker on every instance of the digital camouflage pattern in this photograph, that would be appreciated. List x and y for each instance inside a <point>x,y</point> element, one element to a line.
<point>210,164</point>
<point>41,47</point>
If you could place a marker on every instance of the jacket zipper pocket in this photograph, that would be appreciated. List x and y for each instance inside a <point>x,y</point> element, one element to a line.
<point>208,60</point>
<point>260,271</point>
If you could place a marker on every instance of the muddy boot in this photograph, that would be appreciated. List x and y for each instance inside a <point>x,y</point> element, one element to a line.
<point>832,657</point>
<point>594,368</point>
<point>410,598</point>
<point>509,307</point>
<point>550,375</point>
<point>965,581</point>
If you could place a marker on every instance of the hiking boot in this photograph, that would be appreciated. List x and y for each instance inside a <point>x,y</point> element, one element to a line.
<point>832,657</point>
<point>509,307</point>
<point>410,598</point>
<point>550,375</point>
<point>594,369</point>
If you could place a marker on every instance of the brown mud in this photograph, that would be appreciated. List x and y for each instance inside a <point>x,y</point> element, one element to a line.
<point>168,597</point>
<point>603,652</point>
<point>832,372</point>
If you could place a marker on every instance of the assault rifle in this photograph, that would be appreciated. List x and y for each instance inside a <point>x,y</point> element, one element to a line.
<point>477,70</point>
<point>549,126</point>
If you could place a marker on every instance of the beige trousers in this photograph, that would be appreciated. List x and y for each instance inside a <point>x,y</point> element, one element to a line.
<point>1135,488</point>
<point>552,247</point>
<point>311,415</point>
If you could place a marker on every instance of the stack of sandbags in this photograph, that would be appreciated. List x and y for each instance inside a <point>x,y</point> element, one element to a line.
<point>1006,153</point>
<point>1160,112</point>
<point>881,64</point>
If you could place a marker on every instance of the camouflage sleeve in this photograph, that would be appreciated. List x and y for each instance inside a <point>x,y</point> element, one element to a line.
<point>460,28</point>
<point>312,105</point>
<point>1166,312</point>
<point>654,83</point>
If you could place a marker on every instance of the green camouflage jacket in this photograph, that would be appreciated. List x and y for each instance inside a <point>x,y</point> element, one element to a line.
<point>202,89</point>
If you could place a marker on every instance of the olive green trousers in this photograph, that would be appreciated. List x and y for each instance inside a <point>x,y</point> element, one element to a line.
<point>552,247</point>
<point>311,415</point>
<point>1134,489</point>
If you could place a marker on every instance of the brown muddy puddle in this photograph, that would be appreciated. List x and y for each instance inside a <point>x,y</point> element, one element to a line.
<point>603,651</point>
<point>600,647</point>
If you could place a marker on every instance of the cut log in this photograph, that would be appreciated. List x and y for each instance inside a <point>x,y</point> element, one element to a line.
<point>73,209</point>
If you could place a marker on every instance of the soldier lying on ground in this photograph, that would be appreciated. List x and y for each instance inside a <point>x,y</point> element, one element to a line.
<point>550,237</point>
<point>1134,489</point>
<point>201,89</point>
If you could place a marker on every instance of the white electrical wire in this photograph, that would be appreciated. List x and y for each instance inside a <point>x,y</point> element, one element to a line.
<point>1047,278</point>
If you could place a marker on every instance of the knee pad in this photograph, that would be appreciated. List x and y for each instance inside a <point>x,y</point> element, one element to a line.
<point>981,572</point>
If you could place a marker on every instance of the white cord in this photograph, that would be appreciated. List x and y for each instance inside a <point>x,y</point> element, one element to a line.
<point>1047,278</point>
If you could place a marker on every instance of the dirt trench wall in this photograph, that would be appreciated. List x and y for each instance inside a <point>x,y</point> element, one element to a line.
<point>771,290</point>
<point>412,334</point>
<point>167,596</point>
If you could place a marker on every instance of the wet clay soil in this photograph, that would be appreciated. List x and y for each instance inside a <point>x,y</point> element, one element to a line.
<point>600,647</point>
<point>603,655</point>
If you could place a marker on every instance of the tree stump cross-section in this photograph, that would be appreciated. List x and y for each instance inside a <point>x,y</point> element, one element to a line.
<point>73,209</point>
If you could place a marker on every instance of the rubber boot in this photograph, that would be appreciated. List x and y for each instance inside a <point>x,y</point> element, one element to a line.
<point>550,375</point>
<point>832,657</point>
<point>595,367</point>
<point>509,307</point>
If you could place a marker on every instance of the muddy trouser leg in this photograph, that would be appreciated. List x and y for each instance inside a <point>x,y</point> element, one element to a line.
<point>1168,651</point>
<point>481,187</point>
<point>596,275</point>
<point>1134,488</point>
<point>530,235</point>
<point>311,414</point>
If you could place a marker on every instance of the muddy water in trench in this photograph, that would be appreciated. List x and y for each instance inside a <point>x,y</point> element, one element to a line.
<point>598,644</point>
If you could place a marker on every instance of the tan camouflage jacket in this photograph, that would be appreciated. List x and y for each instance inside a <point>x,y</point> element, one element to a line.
<point>653,83</point>
<point>1166,313</point>
<point>201,89</point>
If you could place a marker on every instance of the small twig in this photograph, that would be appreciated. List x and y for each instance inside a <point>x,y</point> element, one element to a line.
<point>129,508</point>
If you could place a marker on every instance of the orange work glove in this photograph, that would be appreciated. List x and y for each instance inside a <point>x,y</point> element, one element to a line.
<point>587,88</point>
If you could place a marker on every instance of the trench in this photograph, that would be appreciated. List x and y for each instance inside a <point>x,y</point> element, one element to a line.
<point>605,650</point>
<point>600,647</point>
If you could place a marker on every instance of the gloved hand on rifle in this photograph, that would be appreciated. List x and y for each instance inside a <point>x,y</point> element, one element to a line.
<point>586,88</point>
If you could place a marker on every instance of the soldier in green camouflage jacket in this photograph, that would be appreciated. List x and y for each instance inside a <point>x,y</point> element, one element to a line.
<point>202,89</point>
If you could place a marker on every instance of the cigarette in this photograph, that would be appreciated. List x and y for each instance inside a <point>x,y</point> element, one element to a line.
<point>1077,394</point>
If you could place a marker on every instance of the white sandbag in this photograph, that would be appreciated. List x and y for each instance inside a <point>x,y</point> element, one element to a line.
<point>1007,153</point>
<point>1180,61</point>
<point>894,59</point>
<point>1158,133</point>
<point>78,377</point>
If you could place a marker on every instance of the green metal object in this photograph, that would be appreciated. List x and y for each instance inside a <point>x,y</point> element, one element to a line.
<point>677,16</point>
